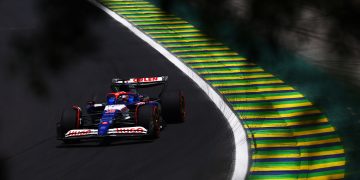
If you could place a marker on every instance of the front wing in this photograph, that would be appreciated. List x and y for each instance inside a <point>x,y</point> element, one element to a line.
<point>113,132</point>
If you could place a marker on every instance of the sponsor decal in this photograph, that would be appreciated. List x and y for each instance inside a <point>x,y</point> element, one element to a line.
<point>140,103</point>
<point>139,80</point>
<point>149,79</point>
<point>110,111</point>
<point>129,130</point>
<point>113,108</point>
<point>78,132</point>
<point>146,79</point>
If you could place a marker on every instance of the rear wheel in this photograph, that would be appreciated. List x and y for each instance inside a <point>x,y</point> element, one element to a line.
<point>148,117</point>
<point>173,107</point>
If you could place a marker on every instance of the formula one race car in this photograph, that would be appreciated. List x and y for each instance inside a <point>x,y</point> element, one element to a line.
<point>126,113</point>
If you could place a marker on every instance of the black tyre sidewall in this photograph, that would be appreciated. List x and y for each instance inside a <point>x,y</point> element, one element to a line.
<point>67,122</point>
<point>148,117</point>
<point>173,111</point>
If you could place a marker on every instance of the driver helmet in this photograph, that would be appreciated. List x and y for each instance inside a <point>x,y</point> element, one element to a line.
<point>111,100</point>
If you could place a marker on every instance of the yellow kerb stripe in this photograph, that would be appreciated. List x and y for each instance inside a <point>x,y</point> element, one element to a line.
<point>209,55</point>
<point>136,9</point>
<point>193,45</point>
<point>239,77</point>
<point>292,134</point>
<point>214,60</point>
<point>296,155</point>
<point>274,106</point>
<point>325,177</point>
<point>301,167</point>
<point>231,71</point>
<point>180,36</point>
<point>292,144</point>
<point>257,90</point>
<point>166,27</point>
<point>201,49</point>
<point>265,98</point>
<point>294,114</point>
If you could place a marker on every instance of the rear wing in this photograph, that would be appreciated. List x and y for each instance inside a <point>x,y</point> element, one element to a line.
<point>141,82</point>
<point>134,84</point>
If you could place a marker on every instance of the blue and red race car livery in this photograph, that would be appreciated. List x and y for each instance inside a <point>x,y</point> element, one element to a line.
<point>126,112</point>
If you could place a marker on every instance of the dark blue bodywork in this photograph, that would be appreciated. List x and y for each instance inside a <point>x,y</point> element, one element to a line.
<point>106,121</point>
<point>109,117</point>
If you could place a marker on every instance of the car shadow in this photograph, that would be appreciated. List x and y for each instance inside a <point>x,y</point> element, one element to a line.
<point>104,143</point>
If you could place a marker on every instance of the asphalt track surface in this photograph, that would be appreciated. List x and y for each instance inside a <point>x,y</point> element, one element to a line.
<point>200,148</point>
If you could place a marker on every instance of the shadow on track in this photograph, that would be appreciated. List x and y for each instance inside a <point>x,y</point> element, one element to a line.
<point>3,168</point>
<point>103,144</point>
<point>61,39</point>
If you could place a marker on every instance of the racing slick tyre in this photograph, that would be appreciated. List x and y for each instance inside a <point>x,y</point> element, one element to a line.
<point>149,117</point>
<point>70,119</point>
<point>173,107</point>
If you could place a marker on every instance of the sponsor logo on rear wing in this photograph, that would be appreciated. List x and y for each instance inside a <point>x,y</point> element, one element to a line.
<point>141,81</point>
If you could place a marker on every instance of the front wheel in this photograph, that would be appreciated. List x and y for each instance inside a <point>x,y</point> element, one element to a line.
<point>70,119</point>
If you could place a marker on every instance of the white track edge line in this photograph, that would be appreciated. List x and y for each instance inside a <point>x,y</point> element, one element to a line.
<point>241,161</point>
